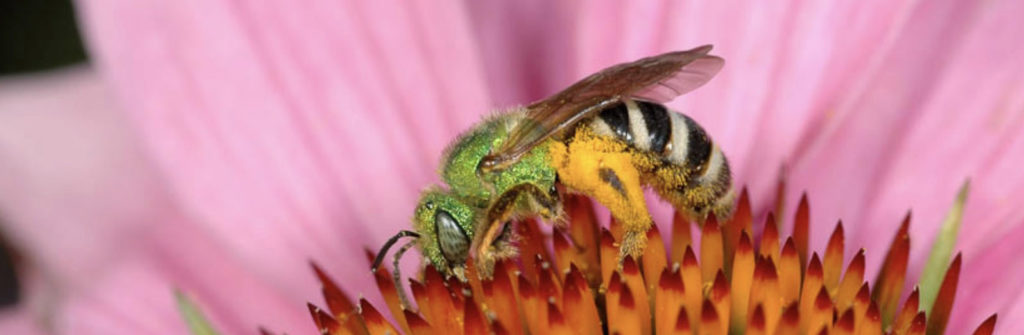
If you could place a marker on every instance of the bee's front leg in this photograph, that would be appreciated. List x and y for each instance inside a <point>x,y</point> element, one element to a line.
<point>486,244</point>
<point>487,253</point>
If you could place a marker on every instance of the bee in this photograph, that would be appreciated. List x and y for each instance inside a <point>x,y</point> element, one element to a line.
<point>606,136</point>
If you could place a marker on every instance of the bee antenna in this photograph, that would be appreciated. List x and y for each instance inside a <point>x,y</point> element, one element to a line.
<point>387,245</point>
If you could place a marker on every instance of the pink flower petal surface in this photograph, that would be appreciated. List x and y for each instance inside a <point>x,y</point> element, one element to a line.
<point>991,279</point>
<point>912,133</point>
<point>293,132</point>
<point>525,47</point>
<point>74,180</point>
<point>116,242</point>
<point>36,300</point>
<point>281,133</point>
<point>19,322</point>
<point>940,109</point>
<point>137,296</point>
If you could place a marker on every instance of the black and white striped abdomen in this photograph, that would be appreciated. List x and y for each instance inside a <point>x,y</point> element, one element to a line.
<point>676,138</point>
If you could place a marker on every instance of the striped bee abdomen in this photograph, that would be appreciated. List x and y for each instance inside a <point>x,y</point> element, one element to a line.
<point>690,169</point>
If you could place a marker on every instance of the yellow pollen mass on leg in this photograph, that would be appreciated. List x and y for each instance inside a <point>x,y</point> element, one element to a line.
<point>605,169</point>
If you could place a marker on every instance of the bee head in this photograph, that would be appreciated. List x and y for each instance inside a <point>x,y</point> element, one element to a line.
<point>445,225</point>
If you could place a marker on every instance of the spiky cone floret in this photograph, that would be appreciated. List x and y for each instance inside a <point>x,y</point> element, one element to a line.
<point>735,284</point>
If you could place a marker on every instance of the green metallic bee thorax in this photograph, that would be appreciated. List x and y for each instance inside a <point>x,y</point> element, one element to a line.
<point>459,166</point>
<point>469,194</point>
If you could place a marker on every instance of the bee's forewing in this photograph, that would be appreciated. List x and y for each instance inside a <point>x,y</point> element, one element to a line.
<point>659,78</point>
<point>688,78</point>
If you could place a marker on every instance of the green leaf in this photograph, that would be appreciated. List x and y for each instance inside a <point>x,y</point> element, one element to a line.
<point>197,323</point>
<point>942,249</point>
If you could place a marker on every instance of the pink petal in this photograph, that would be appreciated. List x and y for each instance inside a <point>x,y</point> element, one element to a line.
<point>525,47</point>
<point>990,282</point>
<point>821,51</point>
<point>73,180</point>
<point>130,299</point>
<point>970,127</point>
<point>292,132</point>
<point>37,296</point>
<point>113,250</point>
<point>940,108</point>
<point>137,297</point>
<point>19,321</point>
<point>907,139</point>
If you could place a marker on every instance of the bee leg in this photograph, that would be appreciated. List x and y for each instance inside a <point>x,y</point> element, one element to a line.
<point>487,251</point>
<point>628,207</point>
<point>483,242</point>
<point>548,204</point>
<point>396,275</point>
<point>486,256</point>
<point>609,176</point>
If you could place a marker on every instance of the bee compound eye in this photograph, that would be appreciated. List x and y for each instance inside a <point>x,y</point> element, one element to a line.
<point>451,238</point>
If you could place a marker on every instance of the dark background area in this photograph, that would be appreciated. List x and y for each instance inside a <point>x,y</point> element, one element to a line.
<point>35,35</point>
<point>38,35</point>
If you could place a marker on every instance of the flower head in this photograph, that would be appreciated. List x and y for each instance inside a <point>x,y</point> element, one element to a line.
<point>724,282</point>
<point>214,146</point>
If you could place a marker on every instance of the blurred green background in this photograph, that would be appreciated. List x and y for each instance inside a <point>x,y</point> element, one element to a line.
<point>38,35</point>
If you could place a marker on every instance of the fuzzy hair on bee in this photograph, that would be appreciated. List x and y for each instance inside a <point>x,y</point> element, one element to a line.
<point>607,136</point>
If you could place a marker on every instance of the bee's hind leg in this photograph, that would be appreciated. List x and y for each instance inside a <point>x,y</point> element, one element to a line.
<point>623,195</point>
<point>610,177</point>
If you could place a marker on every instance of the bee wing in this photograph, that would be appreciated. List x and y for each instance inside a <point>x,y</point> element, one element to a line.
<point>658,78</point>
